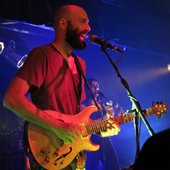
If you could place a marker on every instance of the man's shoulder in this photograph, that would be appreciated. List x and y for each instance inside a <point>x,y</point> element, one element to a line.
<point>46,49</point>
<point>42,47</point>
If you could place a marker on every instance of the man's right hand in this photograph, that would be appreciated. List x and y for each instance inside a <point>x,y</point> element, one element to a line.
<point>67,133</point>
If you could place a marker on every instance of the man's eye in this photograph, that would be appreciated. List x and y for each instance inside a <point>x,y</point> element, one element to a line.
<point>83,21</point>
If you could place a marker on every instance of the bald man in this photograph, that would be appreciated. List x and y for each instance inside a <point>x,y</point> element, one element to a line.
<point>52,75</point>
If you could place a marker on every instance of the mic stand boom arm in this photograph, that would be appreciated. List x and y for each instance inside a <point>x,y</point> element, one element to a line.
<point>135,103</point>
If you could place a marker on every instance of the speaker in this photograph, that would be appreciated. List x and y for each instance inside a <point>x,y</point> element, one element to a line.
<point>155,153</point>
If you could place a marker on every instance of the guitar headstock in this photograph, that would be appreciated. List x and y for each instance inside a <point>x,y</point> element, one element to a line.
<point>159,108</point>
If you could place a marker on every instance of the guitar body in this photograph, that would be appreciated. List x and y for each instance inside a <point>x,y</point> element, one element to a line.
<point>51,152</point>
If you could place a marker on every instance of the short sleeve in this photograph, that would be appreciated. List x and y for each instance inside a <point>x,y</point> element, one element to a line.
<point>34,68</point>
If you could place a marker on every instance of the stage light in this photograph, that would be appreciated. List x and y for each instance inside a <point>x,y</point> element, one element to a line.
<point>1,47</point>
<point>168,66</point>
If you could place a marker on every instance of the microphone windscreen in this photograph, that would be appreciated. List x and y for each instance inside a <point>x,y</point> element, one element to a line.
<point>92,38</point>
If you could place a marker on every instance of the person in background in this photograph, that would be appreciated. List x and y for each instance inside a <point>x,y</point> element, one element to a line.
<point>105,158</point>
<point>52,75</point>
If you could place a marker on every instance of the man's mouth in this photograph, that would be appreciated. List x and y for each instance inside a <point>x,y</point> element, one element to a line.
<point>82,36</point>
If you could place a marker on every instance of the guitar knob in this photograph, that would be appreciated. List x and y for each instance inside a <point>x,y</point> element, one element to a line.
<point>55,163</point>
<point>47,159</point>
<point>42,151</point>
<point>55,153</point>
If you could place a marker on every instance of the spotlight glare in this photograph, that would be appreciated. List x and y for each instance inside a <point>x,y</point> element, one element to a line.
<point>168,67</point>
<point>1,47</point>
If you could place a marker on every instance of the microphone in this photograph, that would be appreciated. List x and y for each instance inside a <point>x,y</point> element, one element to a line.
<point>97,40</point>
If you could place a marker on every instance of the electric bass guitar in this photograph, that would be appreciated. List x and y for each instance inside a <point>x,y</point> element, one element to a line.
<point>51,152</point>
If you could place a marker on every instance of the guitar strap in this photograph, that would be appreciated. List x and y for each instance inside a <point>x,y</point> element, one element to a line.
<point>85,80</point>
<point>26,145</point>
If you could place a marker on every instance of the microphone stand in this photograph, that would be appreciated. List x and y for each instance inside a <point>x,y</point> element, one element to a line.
<point>135,103</point>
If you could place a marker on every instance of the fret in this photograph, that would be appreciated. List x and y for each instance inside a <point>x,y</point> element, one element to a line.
<point>96,126</point>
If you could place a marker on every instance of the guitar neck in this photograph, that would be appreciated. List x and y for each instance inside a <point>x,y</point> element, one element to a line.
<point>122,119</point>
<point>101,125</point>
<point>96,127</point>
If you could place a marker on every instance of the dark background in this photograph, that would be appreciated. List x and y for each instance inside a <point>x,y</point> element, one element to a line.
<point>141,28</point>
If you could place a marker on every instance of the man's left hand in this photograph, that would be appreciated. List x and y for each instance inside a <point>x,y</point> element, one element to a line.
<point>113,128</point>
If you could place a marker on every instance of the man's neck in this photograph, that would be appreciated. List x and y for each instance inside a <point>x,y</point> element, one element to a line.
<point>63,47</point>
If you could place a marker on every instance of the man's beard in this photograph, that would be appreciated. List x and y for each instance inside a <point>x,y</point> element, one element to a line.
<point>73,38</point>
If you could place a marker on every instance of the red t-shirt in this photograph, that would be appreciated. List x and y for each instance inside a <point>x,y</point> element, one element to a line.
<point>53,86</point>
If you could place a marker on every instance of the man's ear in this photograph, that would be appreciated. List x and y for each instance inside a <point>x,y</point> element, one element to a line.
<point>63,23</point>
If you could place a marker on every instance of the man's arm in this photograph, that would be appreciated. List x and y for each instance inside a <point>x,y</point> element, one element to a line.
<point>15,100</point>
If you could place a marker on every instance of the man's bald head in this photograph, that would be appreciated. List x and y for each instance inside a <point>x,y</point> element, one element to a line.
<point>68,12</point>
